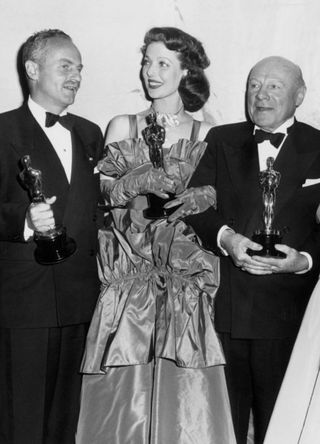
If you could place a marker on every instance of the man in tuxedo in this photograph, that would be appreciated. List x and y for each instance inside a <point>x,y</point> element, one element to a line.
<point>45,309</point>
<point>261,300</point>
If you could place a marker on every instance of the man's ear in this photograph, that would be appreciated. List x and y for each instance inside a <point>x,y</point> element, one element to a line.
<point>32,69</point>
<point>300,95</point>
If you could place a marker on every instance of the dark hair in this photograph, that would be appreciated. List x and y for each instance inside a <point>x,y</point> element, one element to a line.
<point>194,88</point>
<point>35,46</point>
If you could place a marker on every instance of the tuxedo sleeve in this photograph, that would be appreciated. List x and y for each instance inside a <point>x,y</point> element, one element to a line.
<point>14,200</point>
<point>98,155</point>
<point>207,224</point>
<point>99,144</point>
<point>312,246</point>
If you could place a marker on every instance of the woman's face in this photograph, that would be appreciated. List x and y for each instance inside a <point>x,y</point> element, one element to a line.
<point>161,71</point>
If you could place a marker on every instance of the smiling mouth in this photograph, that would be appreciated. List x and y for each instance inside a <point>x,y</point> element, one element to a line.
<point>73,88</point>
<point>154,85</point>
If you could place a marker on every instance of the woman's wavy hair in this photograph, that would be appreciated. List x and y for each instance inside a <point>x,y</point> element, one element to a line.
<point>194,88</point>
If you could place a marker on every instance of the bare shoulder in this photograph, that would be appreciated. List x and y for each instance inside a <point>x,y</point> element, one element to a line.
<point>204,129</point>
<point>118,128</point>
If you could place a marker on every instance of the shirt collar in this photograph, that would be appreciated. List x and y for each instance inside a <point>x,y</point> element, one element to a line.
<point>39,113</point>
<point>282,128</point>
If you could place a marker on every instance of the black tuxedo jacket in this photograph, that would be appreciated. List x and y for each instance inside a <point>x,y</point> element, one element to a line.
<point>33,295</point>
<point>269,306</point>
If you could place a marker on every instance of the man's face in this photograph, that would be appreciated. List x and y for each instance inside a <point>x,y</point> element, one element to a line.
<point>273,93</point>
<point>57,76</point>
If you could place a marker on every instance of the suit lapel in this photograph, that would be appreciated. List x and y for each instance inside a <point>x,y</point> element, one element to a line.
<point>293,161</point>
<point>243,165</point>
<point>81,176</point>
<point>31,139</point>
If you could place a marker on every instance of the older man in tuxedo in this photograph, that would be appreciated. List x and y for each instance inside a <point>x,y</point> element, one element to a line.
<point>261,300</point>
<point>45,309</point>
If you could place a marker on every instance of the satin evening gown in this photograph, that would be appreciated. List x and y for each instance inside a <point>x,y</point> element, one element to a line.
<point>296,416</point>
<point>153,365</point>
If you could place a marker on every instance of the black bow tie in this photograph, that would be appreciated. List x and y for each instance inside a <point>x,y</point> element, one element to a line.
<point>275,138</point>
<point>52,119</point>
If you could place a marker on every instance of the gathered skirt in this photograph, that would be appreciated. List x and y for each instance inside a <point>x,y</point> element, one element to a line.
<point>155,403</point>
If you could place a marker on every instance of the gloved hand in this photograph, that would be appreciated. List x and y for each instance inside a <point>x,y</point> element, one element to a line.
<point>180,170</point>
<point>193,201</point>
<point>141,180</point>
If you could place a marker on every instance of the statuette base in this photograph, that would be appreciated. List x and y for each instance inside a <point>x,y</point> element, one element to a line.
<point>268,241</point>
<point>53,247</point>
<point>156,208</point>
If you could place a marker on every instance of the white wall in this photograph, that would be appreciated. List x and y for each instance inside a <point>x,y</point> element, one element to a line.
<point>235,33</point>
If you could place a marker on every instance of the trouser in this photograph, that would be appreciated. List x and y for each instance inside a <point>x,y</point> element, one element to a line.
<point>254,372</point>
<point>40,384</point>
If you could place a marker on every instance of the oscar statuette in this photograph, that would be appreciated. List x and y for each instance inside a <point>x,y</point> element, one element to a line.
<point>53,245</point>
<point>267,237</point>
<point>154,136</point>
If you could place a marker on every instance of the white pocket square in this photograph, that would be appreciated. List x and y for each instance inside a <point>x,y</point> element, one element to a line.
<point>310,182</point>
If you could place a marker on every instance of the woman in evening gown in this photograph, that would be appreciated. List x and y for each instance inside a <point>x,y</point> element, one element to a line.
<point>296,416</point>
<point>153,365</point>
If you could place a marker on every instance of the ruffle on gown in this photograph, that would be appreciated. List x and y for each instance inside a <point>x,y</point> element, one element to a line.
<point>180,160</point>
<point>158,284</point>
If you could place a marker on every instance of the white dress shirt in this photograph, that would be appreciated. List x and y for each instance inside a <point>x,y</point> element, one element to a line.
<point>266,149</point>
<point>59,136</point>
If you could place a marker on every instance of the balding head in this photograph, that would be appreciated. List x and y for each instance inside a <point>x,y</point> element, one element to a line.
<point>275,89</point>
<point>277,62</point>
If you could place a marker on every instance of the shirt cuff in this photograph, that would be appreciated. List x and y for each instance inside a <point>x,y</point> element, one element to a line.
<point>222,230</point>
<point>27,232</point>
<point>310,262</point>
